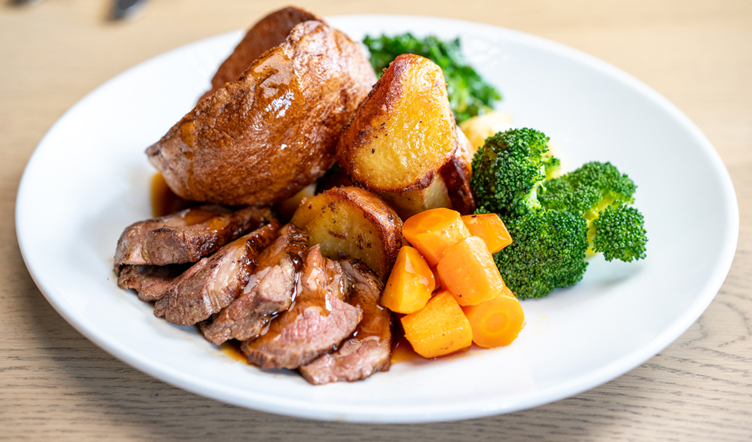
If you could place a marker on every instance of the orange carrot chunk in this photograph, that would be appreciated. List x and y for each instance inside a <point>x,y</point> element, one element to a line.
<point>436,278</point>
<point>508,292</point>
<point>439,328</point>
<point>495,322</point>
<point>468,271</point>
<point>432,231</point>
<point>410,284</point>
<point>490,228</point>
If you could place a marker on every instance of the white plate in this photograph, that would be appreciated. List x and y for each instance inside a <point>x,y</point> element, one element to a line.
<point>89,178</point>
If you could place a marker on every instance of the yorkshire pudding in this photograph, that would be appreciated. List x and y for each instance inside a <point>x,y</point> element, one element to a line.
<point>267,135</point>
<point>267,33</point>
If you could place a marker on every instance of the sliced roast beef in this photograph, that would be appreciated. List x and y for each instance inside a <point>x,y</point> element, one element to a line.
<point>368,349</point>
<point>187,235</point>
<point>317,322</point>
<point>150,282</point>
<point>269,290</point>
<point>214,282</point>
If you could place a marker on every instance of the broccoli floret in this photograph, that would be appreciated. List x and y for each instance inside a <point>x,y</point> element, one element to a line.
<point>588,190</point>
<point>548,251</point>
<point>559,194</point>
<point>469,94</point>
<point>619,233</point>
<point>508,170</point>
<point>552,166</point>
<point>591,191</point>
<point>553,221</point>
<point>605,177</point>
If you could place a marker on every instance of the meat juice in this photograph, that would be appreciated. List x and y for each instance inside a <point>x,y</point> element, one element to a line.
<point>163,200</point>
<point>232,349</point>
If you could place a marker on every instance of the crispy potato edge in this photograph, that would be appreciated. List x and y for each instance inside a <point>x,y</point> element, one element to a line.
<point>457,173</point>
<point>384,220</point>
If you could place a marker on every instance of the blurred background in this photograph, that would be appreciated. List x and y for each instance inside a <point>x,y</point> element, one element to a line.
<point>697,53</point>
<point>59,50</point>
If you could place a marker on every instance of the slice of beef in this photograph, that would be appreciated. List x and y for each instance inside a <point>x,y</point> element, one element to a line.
<point>214,282</point>
<point>281,261</point>
<point>187,235</point>
<point>369,349</point>
<point>240,320</point>
<point>317,322</point>
<point>269,290</point>
<point>150,282</point>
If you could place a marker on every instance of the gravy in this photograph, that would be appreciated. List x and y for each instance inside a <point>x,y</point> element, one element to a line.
<point>163,200</point>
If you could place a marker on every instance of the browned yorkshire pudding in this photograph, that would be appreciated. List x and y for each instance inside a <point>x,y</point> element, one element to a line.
<point>269,32</point>
<point>267,135</point>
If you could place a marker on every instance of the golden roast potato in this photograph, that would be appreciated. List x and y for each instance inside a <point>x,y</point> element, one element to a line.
<point>350,222</point>
<point>403,132</point>
<point>412,202</point>
<point>406,204</point>
<point>450,188</point>
<point>266,136</point>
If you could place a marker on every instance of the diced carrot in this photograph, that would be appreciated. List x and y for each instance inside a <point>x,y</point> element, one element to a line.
<point>439,328</point>
<point>495,322</point>
<point>436,278</point>
<point>490,228</point>
<point>468,271</point>
<point>506,291</point>
<point>432,231</point>
<point>410,284</point>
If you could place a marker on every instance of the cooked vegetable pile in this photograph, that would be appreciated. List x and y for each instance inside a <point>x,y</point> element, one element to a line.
<point>554,222</point>
<point>469,93</point>
<point>447,284</point>
<point>308,295</point>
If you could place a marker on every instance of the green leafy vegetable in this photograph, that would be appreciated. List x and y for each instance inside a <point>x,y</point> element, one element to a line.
<point>469,94</point>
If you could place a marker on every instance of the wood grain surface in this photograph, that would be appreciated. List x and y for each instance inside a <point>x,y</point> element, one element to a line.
<point>56,385</point>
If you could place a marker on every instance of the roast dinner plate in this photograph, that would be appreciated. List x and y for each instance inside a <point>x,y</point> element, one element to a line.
<point>89,178</point>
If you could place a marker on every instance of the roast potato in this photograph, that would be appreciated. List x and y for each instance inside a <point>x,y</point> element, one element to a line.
<point>450,188</point>
<point>349,222</point>
<point>478,128</point>
<point>266,136</point>
<point>456,175</point>
<point>409,203</point>
<point>403,132</point>
<point>286,208</point>
<point>406,204</point>
<point>267,33</point>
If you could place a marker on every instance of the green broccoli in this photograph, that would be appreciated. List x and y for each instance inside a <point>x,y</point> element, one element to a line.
<point>619,233</point>
<point>553,221</point>
<point>469,94</point>
<point>511,166</point>
<point>560,194</point>
<point>578,189</point>
<point>548,251</point>
<point>594,190</point>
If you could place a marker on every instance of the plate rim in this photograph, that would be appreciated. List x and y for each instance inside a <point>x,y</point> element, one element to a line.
<point>367,413</point>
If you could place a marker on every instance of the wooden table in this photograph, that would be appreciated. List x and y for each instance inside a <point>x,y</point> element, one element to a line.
<point>56,384</point>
